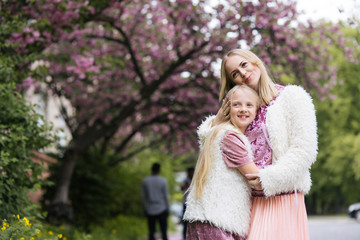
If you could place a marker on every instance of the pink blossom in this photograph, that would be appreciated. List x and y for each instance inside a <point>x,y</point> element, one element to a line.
<point>134,52</point>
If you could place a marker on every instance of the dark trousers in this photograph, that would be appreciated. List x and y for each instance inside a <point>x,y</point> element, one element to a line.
<point>162,219</point>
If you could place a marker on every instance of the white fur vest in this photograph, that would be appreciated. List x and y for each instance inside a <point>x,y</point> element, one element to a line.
<point>291,124</point>
<point>226,197</point>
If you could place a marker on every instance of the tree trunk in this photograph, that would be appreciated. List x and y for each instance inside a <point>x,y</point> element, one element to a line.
<point>60,208</point>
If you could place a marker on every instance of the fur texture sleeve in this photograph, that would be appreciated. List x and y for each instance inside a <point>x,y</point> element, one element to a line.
<point>204,129</point>
<point>295,147</point>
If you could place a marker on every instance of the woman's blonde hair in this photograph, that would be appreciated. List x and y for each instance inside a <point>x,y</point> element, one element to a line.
<point>267,90</point>
<point>203,163</point>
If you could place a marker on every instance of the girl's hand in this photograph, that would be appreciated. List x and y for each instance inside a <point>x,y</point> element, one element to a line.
<point>223,113</point>
<point>254,181</point>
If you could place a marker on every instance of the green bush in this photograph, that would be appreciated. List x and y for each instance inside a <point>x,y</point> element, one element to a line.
<point>21,132</point>
<point>90,190</point>
<point>99,191</point>
<point>24,229</point>
<point>122,227</point>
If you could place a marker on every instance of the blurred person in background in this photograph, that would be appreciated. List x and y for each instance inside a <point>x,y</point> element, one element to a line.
<point>155,199</point>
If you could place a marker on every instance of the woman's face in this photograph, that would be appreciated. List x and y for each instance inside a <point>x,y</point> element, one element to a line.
<point>241,71</point>
<point>243,108</point>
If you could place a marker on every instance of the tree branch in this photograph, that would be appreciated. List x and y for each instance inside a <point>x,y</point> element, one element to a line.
<point>152,144</point>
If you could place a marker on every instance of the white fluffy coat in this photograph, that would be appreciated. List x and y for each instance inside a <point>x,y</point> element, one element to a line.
<point>292,128</point>
<point>226,199</point>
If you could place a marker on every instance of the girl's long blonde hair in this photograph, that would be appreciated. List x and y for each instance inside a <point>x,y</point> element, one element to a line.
<point>267,90</point>
<point>203,163</point>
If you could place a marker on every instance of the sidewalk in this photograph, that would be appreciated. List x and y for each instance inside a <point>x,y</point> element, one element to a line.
<point>177,235</point>
<point>174,237</point>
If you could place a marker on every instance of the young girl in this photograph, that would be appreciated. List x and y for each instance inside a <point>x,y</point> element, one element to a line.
<point>219,200</point>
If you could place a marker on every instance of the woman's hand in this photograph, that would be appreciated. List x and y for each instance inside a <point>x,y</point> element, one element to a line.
<point>254,181</point>
<point>223,113</point>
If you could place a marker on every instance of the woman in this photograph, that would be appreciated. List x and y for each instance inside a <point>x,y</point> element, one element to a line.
<point>284,142</point>
<point>219,200</point>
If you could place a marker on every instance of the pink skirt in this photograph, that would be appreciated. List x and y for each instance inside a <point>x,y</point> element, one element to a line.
<point>280,217</point>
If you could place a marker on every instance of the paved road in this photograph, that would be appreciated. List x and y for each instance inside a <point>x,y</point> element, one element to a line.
<point>333,228</point>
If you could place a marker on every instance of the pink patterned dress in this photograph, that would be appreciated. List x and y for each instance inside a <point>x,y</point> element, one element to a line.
<point>280,217</point>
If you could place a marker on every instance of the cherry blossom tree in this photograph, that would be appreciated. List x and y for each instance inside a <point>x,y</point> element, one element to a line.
<point>141,73</point>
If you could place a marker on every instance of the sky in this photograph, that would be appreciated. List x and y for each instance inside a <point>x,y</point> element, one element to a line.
<point>322,9</point>
<point>329,9</point>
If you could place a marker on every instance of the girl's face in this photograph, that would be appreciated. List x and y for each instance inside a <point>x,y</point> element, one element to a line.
<point>241,71</point>
<point>243,108</point>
